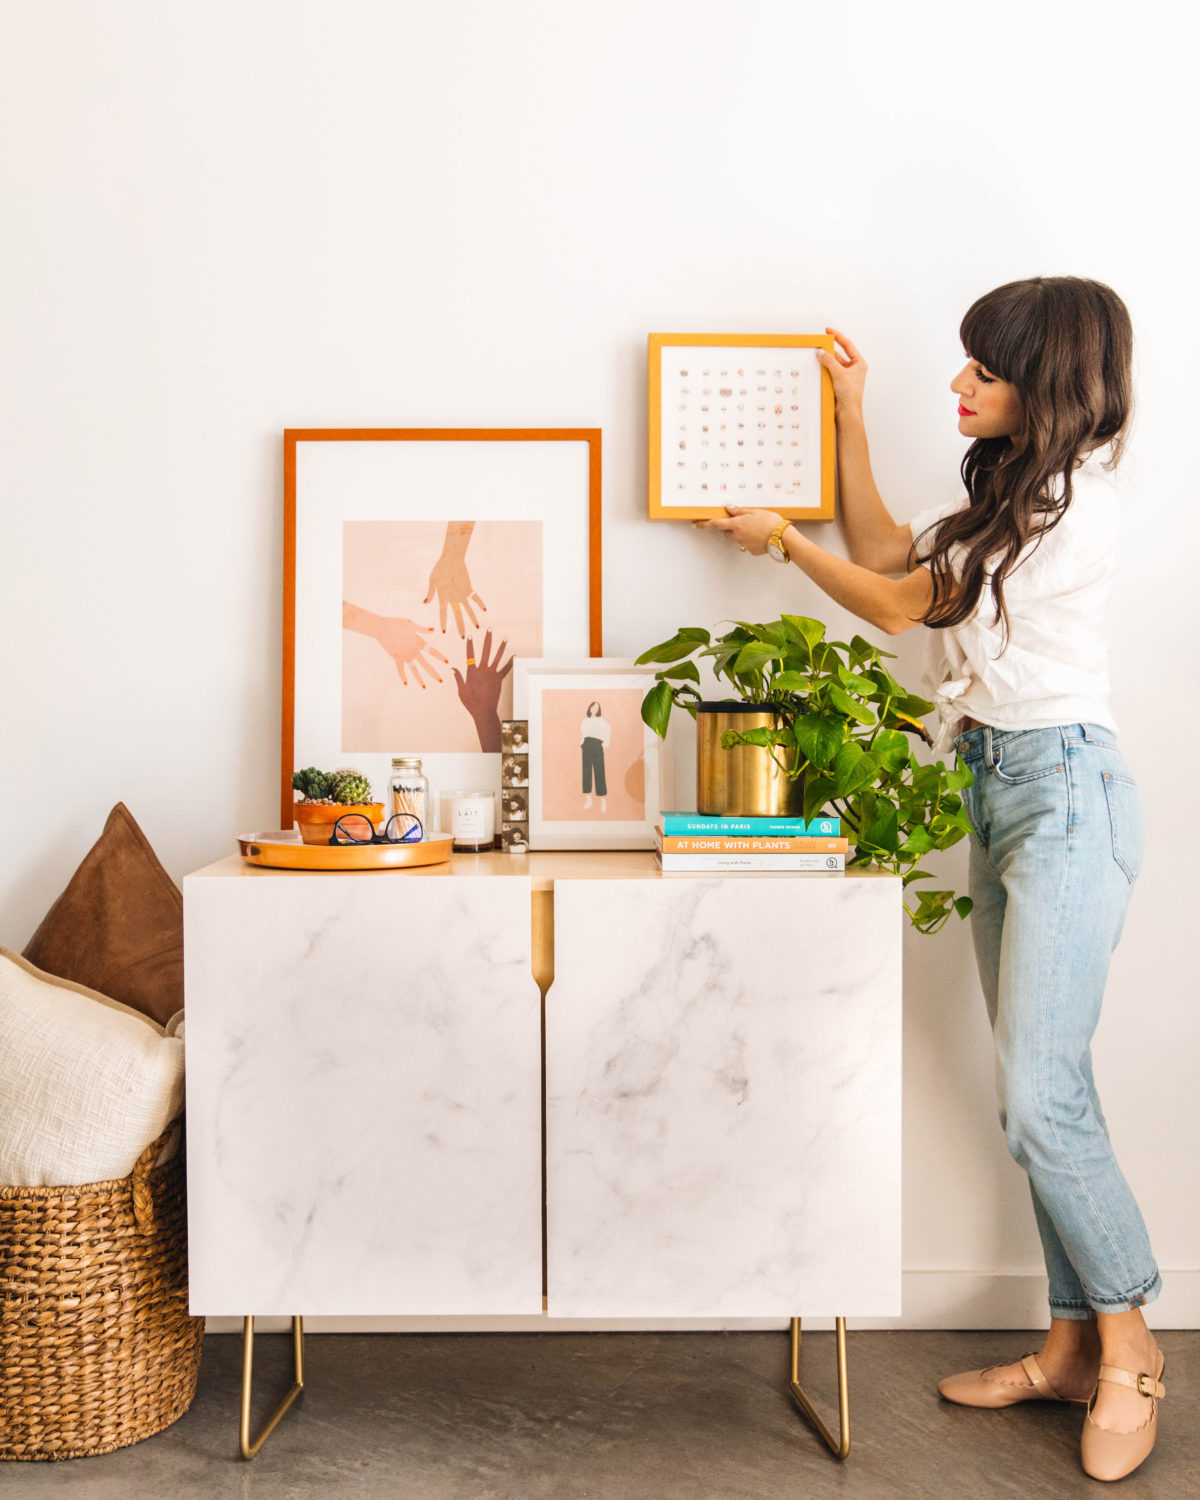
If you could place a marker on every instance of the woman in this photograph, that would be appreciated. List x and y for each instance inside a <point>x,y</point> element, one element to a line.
<point>595,736</point>
<point>1014,577</point>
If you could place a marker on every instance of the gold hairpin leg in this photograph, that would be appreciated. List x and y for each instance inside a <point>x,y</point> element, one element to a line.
<point>250,1449</point>
<point>839,1448</point>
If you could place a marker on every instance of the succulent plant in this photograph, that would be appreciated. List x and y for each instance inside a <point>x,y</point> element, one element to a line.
<point>350,787</point>
<point>316,785</point>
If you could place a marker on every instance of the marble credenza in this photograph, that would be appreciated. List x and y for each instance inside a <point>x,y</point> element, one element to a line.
<point>366,1061</point>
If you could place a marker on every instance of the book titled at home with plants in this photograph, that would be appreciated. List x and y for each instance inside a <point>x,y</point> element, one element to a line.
<point>676,824</point>
<point>704,843</point>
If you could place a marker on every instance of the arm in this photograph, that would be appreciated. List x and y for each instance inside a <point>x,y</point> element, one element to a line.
<point>892,605</point>
<point>874,539</point>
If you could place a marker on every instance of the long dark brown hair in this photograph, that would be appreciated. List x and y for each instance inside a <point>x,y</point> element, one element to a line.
<point>1067,346</point>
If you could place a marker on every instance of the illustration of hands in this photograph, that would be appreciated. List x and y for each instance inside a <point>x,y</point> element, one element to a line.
<point>403,640</point>
<point>451,581</point>
<point>479,689</point>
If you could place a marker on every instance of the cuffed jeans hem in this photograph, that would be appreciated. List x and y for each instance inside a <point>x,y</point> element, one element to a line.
<point>1077,1312</point>
<point>1146,1293</point>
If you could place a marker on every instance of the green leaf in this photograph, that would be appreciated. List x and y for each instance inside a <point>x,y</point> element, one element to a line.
<point>915,874</point>
<point>801,628</point>
<point>890,749</point>
<point>927,782</point>
<point>765,737</point>
<point>791,681</point>
<point>819,737</point>
<point>721,659</point>
<point>912,706</point>
<point>746,630</point>
<point>945,822</point>
<point>854,682</point>
<point>933,910</point>
<point>681,644</point>
<point>883,830</point>
<point>847,705</point>
<point>755,655</point>
<point>852,768</point>
<point>817,792</point>
<point>963,905</point>
<point>917,843</point>
<point>955,781</point>
<point>656,708</point>
<point>862,650</point>
<point>688,672</point>
<point>886,685</point>
<point>948,840</point>
<point>876,652</point>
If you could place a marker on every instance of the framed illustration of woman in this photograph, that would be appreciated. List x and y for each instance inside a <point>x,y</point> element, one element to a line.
<point>595,770</point>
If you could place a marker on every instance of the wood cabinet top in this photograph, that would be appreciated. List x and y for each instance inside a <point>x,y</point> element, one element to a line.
<point>543,869</point>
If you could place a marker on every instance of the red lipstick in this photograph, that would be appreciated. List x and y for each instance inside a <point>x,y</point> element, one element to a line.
<point>964,411</point>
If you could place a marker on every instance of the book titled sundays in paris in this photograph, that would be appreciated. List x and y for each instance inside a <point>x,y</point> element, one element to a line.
<point>675,824</point>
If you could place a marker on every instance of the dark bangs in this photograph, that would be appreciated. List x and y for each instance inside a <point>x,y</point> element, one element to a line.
<point>1003,329</point>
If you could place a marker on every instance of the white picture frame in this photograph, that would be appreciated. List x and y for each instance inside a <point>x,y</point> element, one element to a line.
<point>555,696</point>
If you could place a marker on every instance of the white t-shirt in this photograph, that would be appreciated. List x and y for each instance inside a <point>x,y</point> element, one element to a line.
<point>595,728</point>
<point>1054,667</point>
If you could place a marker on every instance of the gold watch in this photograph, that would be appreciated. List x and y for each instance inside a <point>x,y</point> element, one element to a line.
<point>775,547</point>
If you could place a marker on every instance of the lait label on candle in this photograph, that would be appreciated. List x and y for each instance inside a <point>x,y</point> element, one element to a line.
<point>472,818</point>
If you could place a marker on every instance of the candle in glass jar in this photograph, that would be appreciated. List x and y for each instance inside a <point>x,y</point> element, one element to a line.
<point>470,819</point>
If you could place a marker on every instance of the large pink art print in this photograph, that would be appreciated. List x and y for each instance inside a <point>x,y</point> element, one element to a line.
<point>419,563</point>
<point>433,613</point>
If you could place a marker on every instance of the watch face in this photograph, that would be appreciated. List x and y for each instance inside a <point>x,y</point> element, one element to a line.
<point>777,552</point>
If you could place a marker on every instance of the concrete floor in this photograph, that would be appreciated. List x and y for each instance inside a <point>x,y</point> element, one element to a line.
<point>650,1416</point>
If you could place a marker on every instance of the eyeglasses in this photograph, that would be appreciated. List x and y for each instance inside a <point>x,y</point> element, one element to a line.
<point>400,828</point>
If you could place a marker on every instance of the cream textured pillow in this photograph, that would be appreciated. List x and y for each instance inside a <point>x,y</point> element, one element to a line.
<point>86,1083</point>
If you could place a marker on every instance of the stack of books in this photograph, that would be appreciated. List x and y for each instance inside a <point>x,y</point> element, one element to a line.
<point>695,843</point>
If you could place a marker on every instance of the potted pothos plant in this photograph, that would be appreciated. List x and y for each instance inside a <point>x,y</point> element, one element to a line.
<point>843,726</point>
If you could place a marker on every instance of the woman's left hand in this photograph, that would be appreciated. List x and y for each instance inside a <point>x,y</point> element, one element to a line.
<point>748,528</point>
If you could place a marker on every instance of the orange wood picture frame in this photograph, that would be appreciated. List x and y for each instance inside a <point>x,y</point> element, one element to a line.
<point>294,436</point>
<point>750,341</point>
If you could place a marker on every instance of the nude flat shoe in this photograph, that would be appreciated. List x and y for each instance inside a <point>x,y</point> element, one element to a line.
<point>1112,1455</point>
<point>981,1388</point>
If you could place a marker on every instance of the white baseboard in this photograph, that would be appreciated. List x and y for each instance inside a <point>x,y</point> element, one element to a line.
<point>931,1299</point>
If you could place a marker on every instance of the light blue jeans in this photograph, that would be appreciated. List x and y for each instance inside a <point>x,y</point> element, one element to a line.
<point>1056,849</point>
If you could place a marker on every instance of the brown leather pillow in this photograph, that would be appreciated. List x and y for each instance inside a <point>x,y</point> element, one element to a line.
<point>118,926</point>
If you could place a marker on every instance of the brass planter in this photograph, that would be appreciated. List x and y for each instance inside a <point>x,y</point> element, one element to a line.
<point>744,781</point>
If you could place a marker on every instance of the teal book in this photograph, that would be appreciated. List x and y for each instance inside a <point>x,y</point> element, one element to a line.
<point>675,824</point>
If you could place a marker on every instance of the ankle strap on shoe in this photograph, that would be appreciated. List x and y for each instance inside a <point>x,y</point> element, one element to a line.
<point>1037,1380</point>
<point>1145,1384</point>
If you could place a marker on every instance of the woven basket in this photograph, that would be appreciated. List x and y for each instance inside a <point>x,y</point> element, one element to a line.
<point>96,1346</point>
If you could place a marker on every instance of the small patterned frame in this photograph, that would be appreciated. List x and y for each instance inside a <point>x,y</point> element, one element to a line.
<point>740,419</point>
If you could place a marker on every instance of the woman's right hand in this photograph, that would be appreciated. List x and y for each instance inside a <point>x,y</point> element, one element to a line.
<point>847,369</point>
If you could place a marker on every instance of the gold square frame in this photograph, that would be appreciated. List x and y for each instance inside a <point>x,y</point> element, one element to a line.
<point>750,341</point>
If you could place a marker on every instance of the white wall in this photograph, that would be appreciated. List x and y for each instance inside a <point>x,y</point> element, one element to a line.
<point>222,219</point>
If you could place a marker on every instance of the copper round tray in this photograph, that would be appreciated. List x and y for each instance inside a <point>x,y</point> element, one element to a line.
<point>283,850</point>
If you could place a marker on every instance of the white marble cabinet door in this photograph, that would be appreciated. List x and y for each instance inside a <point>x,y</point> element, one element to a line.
<point>723,1098</point>
<point>363,1094</point>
